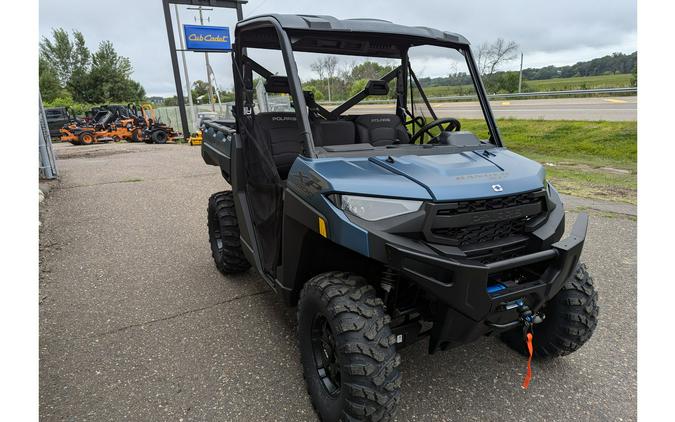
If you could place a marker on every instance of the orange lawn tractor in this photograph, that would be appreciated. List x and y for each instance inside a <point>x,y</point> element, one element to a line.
<point>83,132</point>
<point>149,127</point>
<point>109,123</point>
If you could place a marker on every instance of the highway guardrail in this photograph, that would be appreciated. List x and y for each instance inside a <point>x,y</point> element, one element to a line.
<point>515,95</point>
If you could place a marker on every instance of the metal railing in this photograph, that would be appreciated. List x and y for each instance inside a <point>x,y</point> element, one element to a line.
<point>170,115</point>
<point>515,95</point>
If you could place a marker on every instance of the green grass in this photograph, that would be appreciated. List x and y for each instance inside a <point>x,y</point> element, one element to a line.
<point>622,80</point>
<point>586,82</point>
<point>589,159</point>
<point>582,158</point>
<point>598,143</point>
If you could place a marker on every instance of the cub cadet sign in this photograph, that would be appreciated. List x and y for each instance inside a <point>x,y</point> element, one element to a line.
<point>198,37</point>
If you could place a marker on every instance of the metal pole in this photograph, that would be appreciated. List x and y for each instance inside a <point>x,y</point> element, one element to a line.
<point>215,82</point>
<point>208,65</point>
<point>47,162</point>
<point>193,115</point>
<point>176,70</point>
<point>240,12</point>
<point>520,79</point>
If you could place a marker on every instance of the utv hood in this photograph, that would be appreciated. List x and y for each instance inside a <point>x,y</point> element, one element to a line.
<point>466,175</point>
<point>443,177</point>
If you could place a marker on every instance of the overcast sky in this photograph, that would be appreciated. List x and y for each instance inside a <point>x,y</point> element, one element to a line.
<point>548,32</point>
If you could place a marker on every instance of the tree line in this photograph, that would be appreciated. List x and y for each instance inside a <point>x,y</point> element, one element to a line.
<point>70,73</point>
<point>610,64</point>
<point>507,81</point>
<point>340,83</point>
<point>337,84</point>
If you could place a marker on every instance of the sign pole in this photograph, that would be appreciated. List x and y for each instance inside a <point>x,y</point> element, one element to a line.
<point>223,35</point>
<point>176,70</point>
<point>193,114</point>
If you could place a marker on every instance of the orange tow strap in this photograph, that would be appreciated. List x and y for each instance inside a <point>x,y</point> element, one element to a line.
<point>528,376</point>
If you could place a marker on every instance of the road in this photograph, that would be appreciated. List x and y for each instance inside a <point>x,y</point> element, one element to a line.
<point>136,323</point>
<point>594,108</point>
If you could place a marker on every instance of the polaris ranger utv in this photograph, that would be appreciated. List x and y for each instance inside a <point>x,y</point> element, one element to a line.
<point>386,228</point>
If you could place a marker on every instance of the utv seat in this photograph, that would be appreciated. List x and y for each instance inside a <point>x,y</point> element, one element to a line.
<point>333,132</point>
<point>381,129</point>
<point>280,131</point>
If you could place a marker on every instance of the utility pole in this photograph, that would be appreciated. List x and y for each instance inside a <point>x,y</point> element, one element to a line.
<point>206,56</point>
<point>520,78</point>
<point>185,70</point>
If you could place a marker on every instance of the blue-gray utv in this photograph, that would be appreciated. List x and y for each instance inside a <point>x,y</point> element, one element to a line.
<point>380,218</point>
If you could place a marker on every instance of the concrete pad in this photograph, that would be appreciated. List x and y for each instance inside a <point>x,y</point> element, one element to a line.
<point>136,322</point>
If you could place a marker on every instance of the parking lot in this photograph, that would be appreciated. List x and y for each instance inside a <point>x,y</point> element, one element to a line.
<point>136,322</point>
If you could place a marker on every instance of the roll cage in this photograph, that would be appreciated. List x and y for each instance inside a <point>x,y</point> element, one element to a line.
<point>357,37</point>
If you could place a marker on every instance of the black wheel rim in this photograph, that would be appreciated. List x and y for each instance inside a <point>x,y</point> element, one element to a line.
<point>325,355</point>
<point>216,240</point>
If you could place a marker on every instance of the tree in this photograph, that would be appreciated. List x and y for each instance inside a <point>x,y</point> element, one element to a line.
<point>171,101</point>
<point>82,77</point>
<point>199,90</point>
<point>369,70</point>
<point>326,66</point>
<point>50,88</point>
<point>503,82</point>
<point>357,86</point>
<point>492,56</point>
<point>226,95</point>
<point>109,78</point>
<point>318,95</point>
<point>65,56</point>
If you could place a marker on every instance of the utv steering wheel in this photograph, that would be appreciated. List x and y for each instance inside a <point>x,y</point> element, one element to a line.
<point>418,120</point>
<point>447,124</point>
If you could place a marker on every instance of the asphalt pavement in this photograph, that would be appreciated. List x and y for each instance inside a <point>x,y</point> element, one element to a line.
<point>592,108</point>
<point>137,324</point>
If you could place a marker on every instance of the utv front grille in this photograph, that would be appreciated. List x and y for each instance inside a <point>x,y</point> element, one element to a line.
<point>481,233</point>
<point>469,223</point>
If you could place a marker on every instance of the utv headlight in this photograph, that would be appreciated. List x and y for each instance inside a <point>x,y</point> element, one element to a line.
<point>372,208</point>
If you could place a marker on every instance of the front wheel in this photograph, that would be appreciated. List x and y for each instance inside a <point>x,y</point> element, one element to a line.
<point>86,138</point>
<point>347,349</point>
<point>136,136</point>
<point>571,318</point>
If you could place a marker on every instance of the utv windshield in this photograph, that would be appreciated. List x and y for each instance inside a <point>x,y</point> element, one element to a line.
<point>351,94</point>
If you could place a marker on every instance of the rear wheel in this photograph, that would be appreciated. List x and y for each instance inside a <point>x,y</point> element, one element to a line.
<point>224,234</point>
<point>571,318</point>
<point>159,137</point>
<point>348,352</point>
<point>86,138</point>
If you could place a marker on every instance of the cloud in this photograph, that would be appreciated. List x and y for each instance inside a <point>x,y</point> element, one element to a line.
<point>547,32</point>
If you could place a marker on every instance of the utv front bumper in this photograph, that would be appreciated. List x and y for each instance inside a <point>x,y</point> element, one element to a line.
<point>477,299</point>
